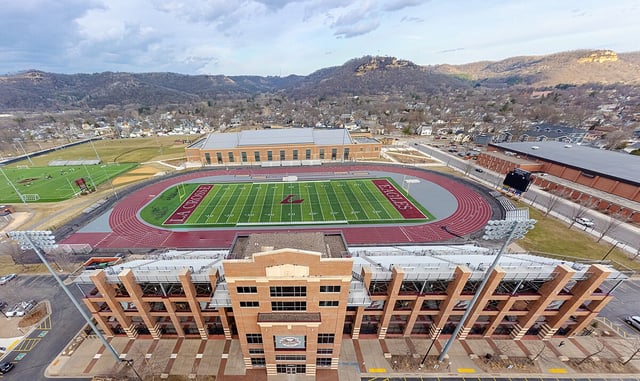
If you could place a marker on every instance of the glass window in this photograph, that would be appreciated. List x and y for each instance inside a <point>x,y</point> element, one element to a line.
<point>329,288</point>
<point>231,157</point>
<point>282,155</point>
<point>287,291</point>
<point>244,156</point>
<point>321,153</point>
<point>295,154</point>
<point>258,361</point>
<point>247,290</point>
<point>269,155</point>
<point>256,154</point>
<point>326,338</point>
<point>249,304</point>
<point>323,362</point>
<point>254,338</point>
<point>307,154</point>
<point>288,306</point>
<point>329,303</point>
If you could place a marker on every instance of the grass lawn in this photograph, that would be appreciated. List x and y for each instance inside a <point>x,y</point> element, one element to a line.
<point>551,235</point>
<point>119,150</point>
<point>54,183</point>
<point>361,201</point>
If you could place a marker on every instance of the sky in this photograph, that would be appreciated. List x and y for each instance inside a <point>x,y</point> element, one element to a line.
<point>282,37</point>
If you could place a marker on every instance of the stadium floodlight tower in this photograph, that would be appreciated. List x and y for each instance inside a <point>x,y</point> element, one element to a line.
<point>44,240</point>
<point>495,229</point>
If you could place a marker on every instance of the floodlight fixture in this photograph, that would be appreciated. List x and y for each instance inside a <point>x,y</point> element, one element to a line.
<point>39,240</point>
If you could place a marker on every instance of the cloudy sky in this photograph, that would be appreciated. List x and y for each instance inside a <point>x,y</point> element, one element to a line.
<point>281,37</point>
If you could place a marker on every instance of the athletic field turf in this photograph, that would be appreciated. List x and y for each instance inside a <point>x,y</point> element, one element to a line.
<point>361,201</point>
<point>56,183</point>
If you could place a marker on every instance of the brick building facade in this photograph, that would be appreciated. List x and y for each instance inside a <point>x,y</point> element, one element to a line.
<point>291,299</point>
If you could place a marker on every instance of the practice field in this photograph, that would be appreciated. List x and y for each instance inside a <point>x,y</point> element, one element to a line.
<point>54,183</point>
<point>360,201</point>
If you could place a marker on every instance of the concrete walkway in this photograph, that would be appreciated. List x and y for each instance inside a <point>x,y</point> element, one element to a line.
<point>371,358</point>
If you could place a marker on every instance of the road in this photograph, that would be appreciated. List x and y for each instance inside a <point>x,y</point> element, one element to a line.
<point>625,236</point>
<point>41,347</point>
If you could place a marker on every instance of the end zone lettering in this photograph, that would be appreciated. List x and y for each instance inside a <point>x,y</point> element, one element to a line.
<point>185,209</point>
<point>398,200</point>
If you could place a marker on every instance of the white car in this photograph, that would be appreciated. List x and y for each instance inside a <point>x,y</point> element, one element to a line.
<point>634,321</point>
<point>21,308</point>
<point>6,278</point>
<point>585,221</point>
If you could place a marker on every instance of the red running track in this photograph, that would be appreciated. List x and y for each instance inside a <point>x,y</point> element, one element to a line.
<point>128,231</point>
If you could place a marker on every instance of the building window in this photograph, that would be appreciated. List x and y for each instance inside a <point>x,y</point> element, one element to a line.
<point>269,155</point>
<point>295,154</point>
<point>329,288</point>
<point>254,338</point>
<point>282,155</point>
<point>256,351</point>
<point>334,153</point>
<point>249,304</point>
<point>291,369</point>
<point>325,351</point>
<point>244,156</point>
<point>258,361</point>
<point>247,290</point>
<point>287,291</point>
<point>321,153</point>
<point>231,157</point>
<point>345,154</point>
<point>256,155</point>
<point>326,338</point>
<point>291,357</point>
<point>219,157</point>
<point>288,306</point>
<point>307,154</point>
<point>328,303</point>
<point>207,158</point>
<point>323,361</point>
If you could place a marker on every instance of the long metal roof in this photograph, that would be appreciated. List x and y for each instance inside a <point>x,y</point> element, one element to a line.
<point>266,137</point>
<point>588,159</point>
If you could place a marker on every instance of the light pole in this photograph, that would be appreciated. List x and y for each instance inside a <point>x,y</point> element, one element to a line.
<point>495,229</point>
<point>38,240</point>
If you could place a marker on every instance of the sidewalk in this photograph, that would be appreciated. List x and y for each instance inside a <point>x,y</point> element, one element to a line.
<point>370,358</point>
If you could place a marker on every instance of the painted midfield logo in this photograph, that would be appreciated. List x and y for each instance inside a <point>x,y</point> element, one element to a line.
<point>292,199</point>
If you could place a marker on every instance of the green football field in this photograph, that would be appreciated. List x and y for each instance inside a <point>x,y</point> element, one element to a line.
<point>55,183</point>
<point>360,201</point>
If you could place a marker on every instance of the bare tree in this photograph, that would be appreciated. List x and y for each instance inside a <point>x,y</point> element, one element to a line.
<point>634,347</point>
<point>599,349</point>
<point>611,225</point>
<point>578,210</point>
<point>551,202</point>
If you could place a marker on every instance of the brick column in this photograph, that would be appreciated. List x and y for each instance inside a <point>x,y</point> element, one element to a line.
<point>503,310</point>
<point>135,292</point>
<point>190,292</point>
<point>581,292</point>
<point>397,274</point>
<point>357,321</point>
<point>494,280</point>
<point>460,276</point>
<point>548,291</point>
<point>99,279</point>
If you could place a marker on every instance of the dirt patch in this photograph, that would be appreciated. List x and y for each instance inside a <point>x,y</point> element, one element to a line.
<point>138,174</point>
<point>34,316</point>
<point>495,364</point>
<point>408,158</point>
<point>28,180</point>
<point>603,366</point>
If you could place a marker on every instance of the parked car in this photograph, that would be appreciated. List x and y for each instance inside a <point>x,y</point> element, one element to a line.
<point>585,221</point>
<point>3,304</point>
<point>21,308</point>
<point>6,278</point>
<point>6,367</point>
<point>479,170</point>
<point>633,321</point>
